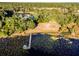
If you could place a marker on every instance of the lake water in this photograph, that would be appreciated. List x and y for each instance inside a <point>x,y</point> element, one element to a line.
<point>42,45</point>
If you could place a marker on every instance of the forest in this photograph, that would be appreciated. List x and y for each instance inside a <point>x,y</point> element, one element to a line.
<point>18,17</point>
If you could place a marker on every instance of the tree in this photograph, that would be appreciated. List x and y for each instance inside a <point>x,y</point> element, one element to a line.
<point>9,26</point>
<point>19,24</point>
<point>44,16</point>
<point>30,24</point>
<point>0,24</point>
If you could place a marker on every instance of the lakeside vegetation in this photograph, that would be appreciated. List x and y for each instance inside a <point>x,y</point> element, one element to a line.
<point>65,14</point>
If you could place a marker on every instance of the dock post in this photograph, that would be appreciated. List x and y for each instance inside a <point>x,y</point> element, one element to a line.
<point>29,45</point>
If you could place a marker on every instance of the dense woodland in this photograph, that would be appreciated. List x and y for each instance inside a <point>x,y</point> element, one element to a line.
<point>13,19</point>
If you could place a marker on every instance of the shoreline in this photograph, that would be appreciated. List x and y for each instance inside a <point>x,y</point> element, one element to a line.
<point>51,35</point>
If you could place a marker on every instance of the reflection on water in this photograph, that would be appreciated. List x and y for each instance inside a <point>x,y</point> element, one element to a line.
<point>42,44</point>
<point>46,46</point>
